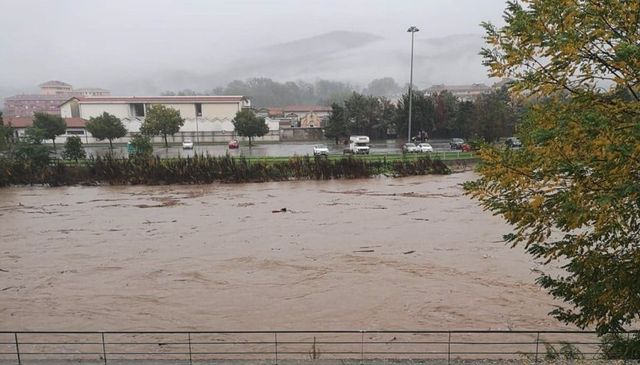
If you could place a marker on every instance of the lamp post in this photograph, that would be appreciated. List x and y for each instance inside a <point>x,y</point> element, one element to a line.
<point>411,30</point>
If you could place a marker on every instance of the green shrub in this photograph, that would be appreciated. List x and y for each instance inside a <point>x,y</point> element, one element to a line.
<point>73,149</point>
<point>205,169</point>
<point>621,346</point>
<point>141,146</point>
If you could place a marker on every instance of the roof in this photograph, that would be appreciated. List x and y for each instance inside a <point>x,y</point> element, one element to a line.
<point>24,122</point>
<point>156,99</point>
<point>274,112</point>
<point>58,98</point>
<point>54,83</point>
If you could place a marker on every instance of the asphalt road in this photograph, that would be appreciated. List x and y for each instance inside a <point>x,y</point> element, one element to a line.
<point>265,149</point>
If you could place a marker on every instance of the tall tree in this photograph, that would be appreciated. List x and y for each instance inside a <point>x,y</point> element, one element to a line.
<point>106,126</point>
<point>385,86</point>
<point>6,133</point>
<point>247,124</point>
<point>463,120</point>
<point>494,116</point>
<point>422,114</point>
<point>572,193</point>
<point>31,148</point>
<point>51,125</point>
<point>337,123</point>
<point>161,121</point>
<point>445,105</point>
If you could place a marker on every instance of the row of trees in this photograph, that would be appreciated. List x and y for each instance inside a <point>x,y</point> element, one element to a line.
<point>159,121</point>
<point>442,115</point>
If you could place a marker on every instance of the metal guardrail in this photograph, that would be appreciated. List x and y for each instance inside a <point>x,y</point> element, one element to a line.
<point>359,346</point>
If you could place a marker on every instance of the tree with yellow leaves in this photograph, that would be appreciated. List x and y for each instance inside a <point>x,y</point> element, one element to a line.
<point>572,193</point>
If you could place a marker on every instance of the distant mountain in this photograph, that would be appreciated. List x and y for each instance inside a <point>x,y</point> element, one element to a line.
<point>337,41</point>
<point>352,57</point>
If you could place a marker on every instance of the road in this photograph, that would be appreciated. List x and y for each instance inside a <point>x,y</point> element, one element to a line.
<point>264,150</point>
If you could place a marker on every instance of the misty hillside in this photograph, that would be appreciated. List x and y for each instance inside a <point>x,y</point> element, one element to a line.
<point>352,57</point>
<point>332,42</point>
<point>360,57</point>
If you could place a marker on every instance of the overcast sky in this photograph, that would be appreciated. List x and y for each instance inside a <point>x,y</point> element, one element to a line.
<point>101,43</point>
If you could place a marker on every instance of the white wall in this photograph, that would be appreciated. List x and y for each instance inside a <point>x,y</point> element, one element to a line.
<point>220,111</point>
<point>186,110</point>
<point>65,110</point>
<point>274,124</point>
<point>93,110</point>
<point>209,125</point>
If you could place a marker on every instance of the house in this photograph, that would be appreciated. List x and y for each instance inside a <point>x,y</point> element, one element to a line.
<point>301,116</point>
<point>311,120</point>
<point>75,127</point>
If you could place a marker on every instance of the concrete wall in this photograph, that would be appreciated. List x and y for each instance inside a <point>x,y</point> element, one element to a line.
<point>201,137</point>
<point>301,134</point>
<point>186,110</point>
<point>220,111</point>
<point>93,110</point>
<point>65,110</point>
<point>207,125</point>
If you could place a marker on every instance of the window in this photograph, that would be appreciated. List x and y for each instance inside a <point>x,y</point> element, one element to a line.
<point>137,110</point>
<point>76,132</point>
<point>198,110</point>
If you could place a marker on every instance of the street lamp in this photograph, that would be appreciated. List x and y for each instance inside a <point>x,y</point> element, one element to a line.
<point>411,30</point>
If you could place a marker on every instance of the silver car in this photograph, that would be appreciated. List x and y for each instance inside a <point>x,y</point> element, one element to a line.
<point>320,150</point>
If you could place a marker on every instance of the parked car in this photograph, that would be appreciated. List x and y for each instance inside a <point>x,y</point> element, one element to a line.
<point>320,149</point>
<point>513,142</point>
<point>187,144</point>
<point>425,147</point>
<point>233,144</point>
<point>409,148</point>
<point>456,143</point>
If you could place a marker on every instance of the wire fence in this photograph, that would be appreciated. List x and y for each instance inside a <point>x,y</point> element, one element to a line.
<point>282,346</point>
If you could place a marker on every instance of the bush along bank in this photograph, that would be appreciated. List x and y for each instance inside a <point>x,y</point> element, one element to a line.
<point>207,169</point>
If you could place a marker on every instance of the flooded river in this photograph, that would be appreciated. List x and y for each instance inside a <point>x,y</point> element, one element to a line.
<point>409,253</point>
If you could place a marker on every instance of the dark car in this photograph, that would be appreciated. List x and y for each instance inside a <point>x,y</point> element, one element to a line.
<point>456,143</point>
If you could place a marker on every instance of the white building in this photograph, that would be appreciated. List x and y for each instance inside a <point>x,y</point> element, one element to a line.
<point>463,92</point>
<point>207,118</point>
<point>55,87</point>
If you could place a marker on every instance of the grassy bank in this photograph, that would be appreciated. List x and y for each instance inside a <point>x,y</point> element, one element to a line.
<point>209,169</point>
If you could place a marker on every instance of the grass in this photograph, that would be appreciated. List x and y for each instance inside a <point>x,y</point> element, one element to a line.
<point>444,156</point>
<point>203,169</point>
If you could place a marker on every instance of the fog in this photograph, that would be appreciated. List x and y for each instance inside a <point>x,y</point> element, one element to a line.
<point>145,47</point>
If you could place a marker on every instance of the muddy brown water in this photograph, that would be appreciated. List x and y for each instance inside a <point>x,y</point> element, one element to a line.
<point>384,253</point>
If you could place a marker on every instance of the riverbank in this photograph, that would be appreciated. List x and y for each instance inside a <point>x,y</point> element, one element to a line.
<point>209,169</point>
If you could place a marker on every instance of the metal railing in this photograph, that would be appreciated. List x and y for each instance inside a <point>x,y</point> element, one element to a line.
<point>274,346</point>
